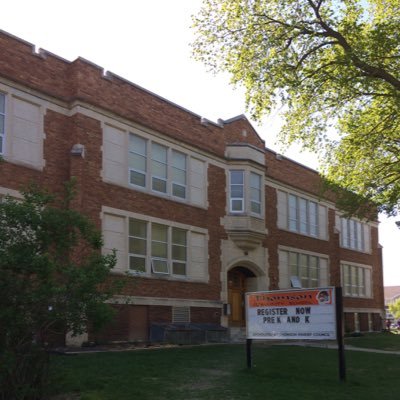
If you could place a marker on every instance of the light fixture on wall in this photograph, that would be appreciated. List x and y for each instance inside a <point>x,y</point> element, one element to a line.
<point>78,150</point>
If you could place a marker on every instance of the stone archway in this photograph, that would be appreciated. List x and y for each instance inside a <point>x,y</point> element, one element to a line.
<point>238,279</point>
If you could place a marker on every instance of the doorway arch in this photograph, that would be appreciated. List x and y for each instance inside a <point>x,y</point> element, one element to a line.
<point>237,287</point>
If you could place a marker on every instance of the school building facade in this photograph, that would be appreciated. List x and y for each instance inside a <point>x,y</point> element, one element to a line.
<point>199,212</point>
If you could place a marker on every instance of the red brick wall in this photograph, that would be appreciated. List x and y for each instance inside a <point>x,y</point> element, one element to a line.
<point>81,80</point>
<point>292,173</point>
<point>363,318</point>
<point>349,324</point>
<point>117,330</point>
<point>239,130</point>
<point>202,315</point>
<point>377,322</point>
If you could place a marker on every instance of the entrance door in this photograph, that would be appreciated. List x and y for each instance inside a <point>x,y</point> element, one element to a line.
<point>236,291</point>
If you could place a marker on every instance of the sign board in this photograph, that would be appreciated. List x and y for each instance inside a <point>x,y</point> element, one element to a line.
<point>291,314</point>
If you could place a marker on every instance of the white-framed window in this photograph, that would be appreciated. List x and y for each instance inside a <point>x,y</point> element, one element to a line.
<point>159,167</point>
<point>306,267</point>
<point>356,280</point>
<point>178,172</point>
<point>137,245</point>
<point>137,160</point>
<point>159,249</point>
<point>245,192</point>
<point>255,193</point>
<point>152,247</point>
<point>167,167</point>
<point>353,234</point>
<point>302,215</point>
<point>21,128</point>
<point>162,246</point>
<point>2,122</point>
<point>236,191</point>
<point>179,251</point>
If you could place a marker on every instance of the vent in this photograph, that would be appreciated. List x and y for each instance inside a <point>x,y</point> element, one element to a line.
<point>180,315</point>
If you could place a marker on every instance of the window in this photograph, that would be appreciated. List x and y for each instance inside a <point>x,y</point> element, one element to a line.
<point>245,192</point>
<point>178,174</point>
<point>237,191</point>
<point>137,160</point>
<point>356,280</point>
<point>2,121</point>
<point>352,234</point>
<point>159,249</point>
<point>23,141</point>
<point>154,247</point>
<point>137,245</point>
<point>178,251</point>
<point>255,193</point>
<point>306,268</point>
<point>159,168</point>
<point>168,168</point>
<point>302,215</point>
<point>168,248</point>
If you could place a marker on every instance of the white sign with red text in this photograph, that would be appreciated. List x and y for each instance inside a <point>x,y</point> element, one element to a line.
<point>291,314</point>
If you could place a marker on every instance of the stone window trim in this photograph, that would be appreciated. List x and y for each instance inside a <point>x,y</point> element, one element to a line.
<point>155,167</point>
<point>301,214</point>
<point>245,191</point>
<point>285,271</point>
<point>21,128</point>
<point>158,245</point>
<point>353,234</point>
<point>10,192</point>
<point>356,280</point>
<point>195,247</point>
<point>2,122</point>
<point>182,177</point>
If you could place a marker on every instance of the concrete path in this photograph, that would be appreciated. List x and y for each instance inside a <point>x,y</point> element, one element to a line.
<point>331,345</point>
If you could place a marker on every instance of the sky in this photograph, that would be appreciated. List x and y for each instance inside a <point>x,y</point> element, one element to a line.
<point>148,43</point>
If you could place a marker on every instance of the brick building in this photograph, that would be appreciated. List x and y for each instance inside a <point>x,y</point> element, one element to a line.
<point>199,212</point>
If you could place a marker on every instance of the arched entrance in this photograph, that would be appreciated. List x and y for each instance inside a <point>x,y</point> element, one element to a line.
<point>237,287</point>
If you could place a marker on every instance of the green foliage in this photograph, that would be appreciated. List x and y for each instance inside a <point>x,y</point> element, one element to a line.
<point>332,65</point>
<point>52,281</point>
<point>394,308</point>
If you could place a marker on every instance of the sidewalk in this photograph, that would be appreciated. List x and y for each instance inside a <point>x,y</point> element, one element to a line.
<point>334,346</point>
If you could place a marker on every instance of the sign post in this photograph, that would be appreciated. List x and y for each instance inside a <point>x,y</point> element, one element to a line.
<point>248,352</point>
<point>297,314</point>
<point>340,339</point>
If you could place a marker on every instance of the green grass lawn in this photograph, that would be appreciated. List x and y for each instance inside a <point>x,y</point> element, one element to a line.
<point>382,341</point>
<point>219,372</point>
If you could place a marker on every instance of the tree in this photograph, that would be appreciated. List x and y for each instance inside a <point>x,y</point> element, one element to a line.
<point>334,68</point>
<point>394,308</point>
<point>53,277</point>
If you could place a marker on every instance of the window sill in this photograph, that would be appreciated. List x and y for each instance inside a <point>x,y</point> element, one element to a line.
<point>304,234</point>
<point>160,195</point>
<point>165,277</point>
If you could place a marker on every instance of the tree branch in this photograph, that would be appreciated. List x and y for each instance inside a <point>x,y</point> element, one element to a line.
<point>313,50</point>
<point>369,70</point>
